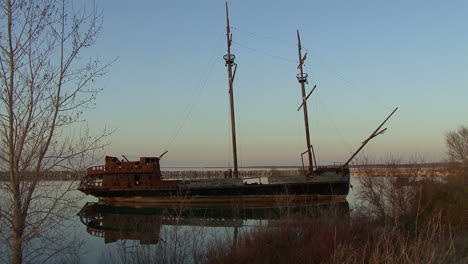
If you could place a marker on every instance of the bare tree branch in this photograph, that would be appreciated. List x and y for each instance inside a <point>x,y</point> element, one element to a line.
<point>45,87</point>
<point>457,144</point>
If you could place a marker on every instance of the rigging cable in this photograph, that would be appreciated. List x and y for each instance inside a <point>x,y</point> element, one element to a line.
<point>299,133</point>
<point>189,108</point>
<point>229,153</point>
<point>338,74</point>
<point>264,53</point>
<point>315,134</point>
<point>285,43</point>
<point>349,83</point>
<point>324,108</point>
<point>288,43</point>
<point>238,123</point>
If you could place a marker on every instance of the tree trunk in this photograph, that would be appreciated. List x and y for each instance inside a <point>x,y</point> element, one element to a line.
<point>17,257</point>
<point>44,87</point>
<point>18,222</point>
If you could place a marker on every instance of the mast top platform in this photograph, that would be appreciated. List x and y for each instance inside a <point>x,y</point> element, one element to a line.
<point>302,77</point>
<point>229,58</point>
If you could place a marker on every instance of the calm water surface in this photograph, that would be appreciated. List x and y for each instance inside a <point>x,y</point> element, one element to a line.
<point>98,233</point>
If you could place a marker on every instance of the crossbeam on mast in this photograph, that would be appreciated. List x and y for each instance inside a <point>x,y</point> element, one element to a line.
<point>302,78</point>
<point>307,97</point>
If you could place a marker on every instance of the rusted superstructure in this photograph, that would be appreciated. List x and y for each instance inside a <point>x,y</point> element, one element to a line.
<point>123,175</point>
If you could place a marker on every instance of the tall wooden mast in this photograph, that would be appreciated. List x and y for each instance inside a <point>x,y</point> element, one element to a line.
<point>229,58</point>
<point>302,78</point>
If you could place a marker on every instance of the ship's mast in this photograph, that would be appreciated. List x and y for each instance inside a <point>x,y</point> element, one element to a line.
<point>302,78</point>
<point>229,58</point>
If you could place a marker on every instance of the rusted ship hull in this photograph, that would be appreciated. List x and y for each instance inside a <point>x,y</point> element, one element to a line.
<point>252,193</point>
<point>140,181</point>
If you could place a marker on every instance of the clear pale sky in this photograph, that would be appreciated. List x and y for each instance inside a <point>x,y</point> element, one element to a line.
<point>168,87</point>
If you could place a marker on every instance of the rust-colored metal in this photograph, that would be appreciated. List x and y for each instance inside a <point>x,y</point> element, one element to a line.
<point>114,166</point>
<point>120,174</point>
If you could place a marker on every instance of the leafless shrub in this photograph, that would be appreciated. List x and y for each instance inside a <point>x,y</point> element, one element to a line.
<point>382,193</point>
<point>433,244</point>
<point>419,220</point>
<point>327,240</point>
<point>457,145</point>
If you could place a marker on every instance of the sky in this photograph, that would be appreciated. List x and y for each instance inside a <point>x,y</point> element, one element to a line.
<point>168,87</point>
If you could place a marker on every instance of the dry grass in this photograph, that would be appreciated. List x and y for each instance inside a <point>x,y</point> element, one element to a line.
<point>423,222</point>
<point>332,241</point>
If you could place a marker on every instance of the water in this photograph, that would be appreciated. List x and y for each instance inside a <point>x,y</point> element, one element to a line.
<point>176,234</point>
<point>95,233</point>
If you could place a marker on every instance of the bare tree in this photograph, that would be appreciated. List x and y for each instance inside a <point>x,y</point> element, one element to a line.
<point>379,193</point>
<point>45,89</point>
<point>457,144</point>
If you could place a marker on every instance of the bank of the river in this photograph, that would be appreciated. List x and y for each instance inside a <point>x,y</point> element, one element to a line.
<point>185,173</point>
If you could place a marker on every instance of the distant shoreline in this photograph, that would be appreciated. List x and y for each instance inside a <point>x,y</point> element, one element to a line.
<point>187,172</point>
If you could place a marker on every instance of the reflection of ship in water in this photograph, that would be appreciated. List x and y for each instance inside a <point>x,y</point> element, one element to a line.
<point>114,224</point>
<point>144,224</point>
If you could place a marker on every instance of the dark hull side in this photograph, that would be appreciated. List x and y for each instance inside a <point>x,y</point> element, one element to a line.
<point>247,192</point>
